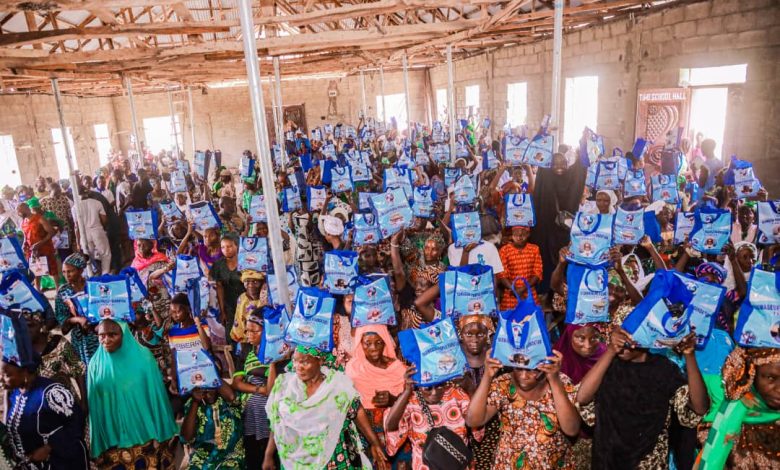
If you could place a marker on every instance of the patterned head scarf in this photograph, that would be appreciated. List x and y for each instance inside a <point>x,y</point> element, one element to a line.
<point>483,320</point>
<point>77,260</point>
<point>327,358</point>
<point>739,370</point>
<point>255,316</point>
<point>614,278</point>
<point>248,274</point>
<point>711,268</point>
<point>438,239</point>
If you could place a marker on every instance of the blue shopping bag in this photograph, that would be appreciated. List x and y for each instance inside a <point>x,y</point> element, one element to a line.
<point>315,197</point>
<point>434,349</point>
<point>639,148</point>
<point>605,174</point>
<point>340,179</point>
<point>665,189</point>
<point>246,167</point>
<point>521,339</point>
<point>423,202</point>
<point>272,345</point>
<point>489,160</point>
<point>291,199</point>
<point>253,254</point>
<point>170,211</point>
<point>373,302</point>
<point>468,290</point>
<point>257,212</point>
<point>312,319</point>
<point>364,201</point>
<point>634,184</point>
<point>769,222</point>
<point>519,210</point>
<point>292,286</point>
<point>540,151</point>
<point>464,192</point>
<point>201,163</point>
<point>109,297</point>
<point>360,170</point>
<point>178,182</point>
<point>661,319</point>
<point>138,290</point>
<point>466,228</point>
<point>141,224</point>
<point>740,174</point>
<point>514,148</point>
<point>437,131</point>
<point>591,147</point>
<point>365,230</point>
<point>198,294</point>
<point>204,216</point>
<point>591,237</point>
<point>629,226</point>
<point>683,225</point>
<point>392,211</point>
<point>194,366</point>
<point>14,340</point>
<point>185,267</point>
<point>16,292</point>
<point>441,154</point>
<point>451,175</point>
<point>704,307</point>
<point>588,299</point>
<point>396,177</point>
<point>758,325</point>
<point>11,255</point>
<point>711,230</point>
<point>340,269</point>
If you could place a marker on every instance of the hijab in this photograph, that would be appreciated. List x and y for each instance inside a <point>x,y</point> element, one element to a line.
<point>574,365</point>
<point>128,404</point>
<point>140,263</point>
<point>367,378</point>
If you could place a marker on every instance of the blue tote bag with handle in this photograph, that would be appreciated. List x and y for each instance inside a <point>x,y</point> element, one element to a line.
<point>11,255</point>
<point>591,237</point>
<point>138,290</point>
<point>16,292</point>
<point>628,226</point>
<point>466,228</point>
<point>661,319</point>
<point>291,199</point>
<point>604,174</point>
<point>253,254</point>
<point>257,211</point>
<point>683,225</point>
<point>109,297</point>
<point>740,174</point>
<point>665,189</point>
<point>392,211</point>
<point>588,299</point>
<point>340,270</point>
<point>365,230</point>
<point>273,346</point>
<point>373,304</point>
<point>769,222</point>
<point>170,211</point>
<point>186,267</point>
<point>178,182</point>
<point>464,190</point>
<point>704,307</point>
<point>634,184</point>
<point>514,148</point>
<point>340,179</point>
<point>292,286</point>
<point>201,163</point>
<point>519,210</point>
<point>423,202</point>
<point>312,319</point>
<point>468,290</point>
<point>204,216</point>
<point>711,230</point>
<point>758,325</point>
<point>451,175</point>
<point>521,339</point>
<point>540,151</point>
<point>141,224</point>
<point>434,349</point>
<point>315,197</point>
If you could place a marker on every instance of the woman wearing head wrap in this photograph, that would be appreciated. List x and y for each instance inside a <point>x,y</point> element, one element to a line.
<point>745,413</point>
<point>606,200</point>
<point>256,381</point>
<point>313,413</point>
<point>255,296</point>
<point>45,424</point>
<point>37,237</point>
<point>82,335</point>
<point>377,375</point>
<point>131,423</point>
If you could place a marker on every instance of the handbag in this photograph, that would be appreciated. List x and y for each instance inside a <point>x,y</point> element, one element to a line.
<point>392,211</point>
<point>711,230</point>
<point>204,216</point>
<point>464,190</point>
<point>769,222</point>
<point>519,210</point>
<point>444,449</point>
<point>468,290</point>
<point>591,237</point>
<point>514,149</point>
<point>466,228</point>
<point>373,304</point>
<point>253,254</point>
<point>423,202</point>
<point>340,268</point>
<point>540,151</point>
<point>178,182</point>
<point>758,325</point>
<point>142,224</point>
<point>588,299</point>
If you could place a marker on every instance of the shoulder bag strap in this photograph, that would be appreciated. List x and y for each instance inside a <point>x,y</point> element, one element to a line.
<point>425,409</point>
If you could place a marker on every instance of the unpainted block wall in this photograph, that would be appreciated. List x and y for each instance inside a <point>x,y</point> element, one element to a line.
<point>648,52</point>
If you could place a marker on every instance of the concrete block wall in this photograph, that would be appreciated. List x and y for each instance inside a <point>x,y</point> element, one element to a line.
<point>29,120</point>
<point>647,52</point>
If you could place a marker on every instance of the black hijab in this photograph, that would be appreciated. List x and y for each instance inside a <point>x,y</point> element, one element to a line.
<point>631,407</point>
<point>553,193</point>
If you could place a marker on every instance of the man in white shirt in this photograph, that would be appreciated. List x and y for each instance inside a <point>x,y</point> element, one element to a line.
<point>93,217</point>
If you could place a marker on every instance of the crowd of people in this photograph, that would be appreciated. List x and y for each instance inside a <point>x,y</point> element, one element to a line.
<point>517,304</point>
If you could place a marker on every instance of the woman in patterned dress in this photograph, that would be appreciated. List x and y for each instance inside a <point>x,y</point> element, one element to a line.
<point>313,413</point>
<point>82,335</point>
<point>537,413</point>
<point>212,428</point>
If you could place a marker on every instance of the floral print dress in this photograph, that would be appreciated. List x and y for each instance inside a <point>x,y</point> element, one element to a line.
<point>531,437</point>
<point>219,438</point>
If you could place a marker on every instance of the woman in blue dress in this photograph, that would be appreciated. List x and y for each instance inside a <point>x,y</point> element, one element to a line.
<point>44,422</point>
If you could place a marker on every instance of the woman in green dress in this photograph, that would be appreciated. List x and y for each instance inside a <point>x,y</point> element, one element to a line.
<point>314,413</point>
<point>212,428</point>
